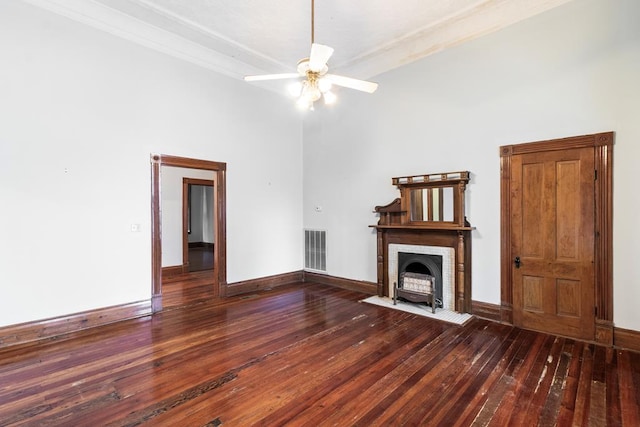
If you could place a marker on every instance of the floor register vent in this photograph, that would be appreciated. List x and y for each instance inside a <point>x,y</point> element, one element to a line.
<point>315,250</point>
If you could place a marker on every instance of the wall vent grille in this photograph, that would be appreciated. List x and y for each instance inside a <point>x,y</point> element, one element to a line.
<point>315,250</point>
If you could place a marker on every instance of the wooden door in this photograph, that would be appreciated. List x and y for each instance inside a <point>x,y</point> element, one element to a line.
<point>552,241</point>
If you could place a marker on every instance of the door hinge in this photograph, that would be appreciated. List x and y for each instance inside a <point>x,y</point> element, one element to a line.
<point>595,310</point>
<point>595,173</point>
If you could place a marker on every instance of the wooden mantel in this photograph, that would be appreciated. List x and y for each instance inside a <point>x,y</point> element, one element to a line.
<point>430,212</point>
<point>417,227</point>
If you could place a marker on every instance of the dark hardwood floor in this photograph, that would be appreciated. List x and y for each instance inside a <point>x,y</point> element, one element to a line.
<point>312,355</point>
<point>187,289</point>
<point>201,258</point>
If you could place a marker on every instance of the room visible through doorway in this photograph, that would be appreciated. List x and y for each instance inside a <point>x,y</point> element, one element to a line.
<point>198,225</point>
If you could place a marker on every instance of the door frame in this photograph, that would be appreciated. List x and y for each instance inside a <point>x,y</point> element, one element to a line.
<point>603,226</point>
<point>220,248</point>
<point>186,182</point>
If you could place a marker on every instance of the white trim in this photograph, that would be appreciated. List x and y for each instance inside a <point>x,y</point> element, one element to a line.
<point>421,310</point>
<point>114,22</point>
<point>476,20</point>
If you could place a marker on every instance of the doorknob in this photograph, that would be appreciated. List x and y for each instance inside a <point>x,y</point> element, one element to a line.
<point>517,262</point>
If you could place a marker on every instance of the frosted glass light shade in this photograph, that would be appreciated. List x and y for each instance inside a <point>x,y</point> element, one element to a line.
<point>329,97</point>
<point>295,89</point>
<point>324,85</point>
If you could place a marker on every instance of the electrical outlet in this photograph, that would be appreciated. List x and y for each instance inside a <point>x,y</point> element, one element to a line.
<point>135,228</point>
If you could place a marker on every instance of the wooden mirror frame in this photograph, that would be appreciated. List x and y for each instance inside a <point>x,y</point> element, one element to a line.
<point>434,182</point>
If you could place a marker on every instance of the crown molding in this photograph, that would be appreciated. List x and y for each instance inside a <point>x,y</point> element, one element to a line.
<point>114,22</point>
<point>467,24</point>
<point>149,25</point>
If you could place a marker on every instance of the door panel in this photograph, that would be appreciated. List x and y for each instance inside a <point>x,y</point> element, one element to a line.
<point>568,297</point>
<point>532,292</point>
<point>552,200</point>
<point>568,205</point>
<point>533,196</point>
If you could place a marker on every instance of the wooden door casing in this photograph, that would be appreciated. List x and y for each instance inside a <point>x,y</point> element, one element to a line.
<point>220,251</point>
<point>552,199</point>
<point>601,145</point>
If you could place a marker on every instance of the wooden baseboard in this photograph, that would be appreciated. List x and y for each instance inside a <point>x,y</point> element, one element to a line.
<point>263,283</point>
<point>506,313</point>
<point>156,303</point>
<point>627,339</point>
<point>604,332</point>
<point>486,311</point>
<point>200,245</point>
<point>174,270</point>
<point>369,288</point>
<point>53,328</point>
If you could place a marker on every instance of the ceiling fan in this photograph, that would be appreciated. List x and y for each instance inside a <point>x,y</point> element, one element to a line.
<point>317,82</point>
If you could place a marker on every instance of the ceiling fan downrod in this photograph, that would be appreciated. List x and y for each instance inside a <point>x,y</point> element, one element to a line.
<point>313,8</point>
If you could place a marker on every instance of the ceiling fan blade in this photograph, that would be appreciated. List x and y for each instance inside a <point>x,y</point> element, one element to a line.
<point>271,77</point>
<point>319,56</point>
<point>356,84</point>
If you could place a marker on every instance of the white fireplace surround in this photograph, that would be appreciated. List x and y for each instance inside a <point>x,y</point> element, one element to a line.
<point>448,263</point>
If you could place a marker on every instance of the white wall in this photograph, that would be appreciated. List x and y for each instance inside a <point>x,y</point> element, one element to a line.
<point>571,71</point>
<point>80,113</point>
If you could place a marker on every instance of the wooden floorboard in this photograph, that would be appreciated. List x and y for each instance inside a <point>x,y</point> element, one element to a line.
<point>309,354</point>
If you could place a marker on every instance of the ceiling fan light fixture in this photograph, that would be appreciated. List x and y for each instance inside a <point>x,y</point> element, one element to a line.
<point>304,104</point>
<point>329,97</point>
<point>295,89</point>
<point>310,91</point>
<point>324,85</point>
<point>316,82</point>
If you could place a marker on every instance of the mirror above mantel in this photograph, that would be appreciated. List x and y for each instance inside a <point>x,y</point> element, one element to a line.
<point>428,201</point>
<point>431,204</point>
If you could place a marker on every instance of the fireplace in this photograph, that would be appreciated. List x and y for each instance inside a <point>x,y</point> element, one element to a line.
<point>424,268</point>
<point>425,232</point>
<point>453,248</point>
<point>438,262</point>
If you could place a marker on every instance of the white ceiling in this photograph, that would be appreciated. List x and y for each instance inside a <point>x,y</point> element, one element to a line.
<point>241,37</point>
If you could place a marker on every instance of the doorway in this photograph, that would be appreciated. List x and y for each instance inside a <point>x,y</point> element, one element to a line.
<point>198,227</point>
<point>556,225</point>
<point>219,273</point>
